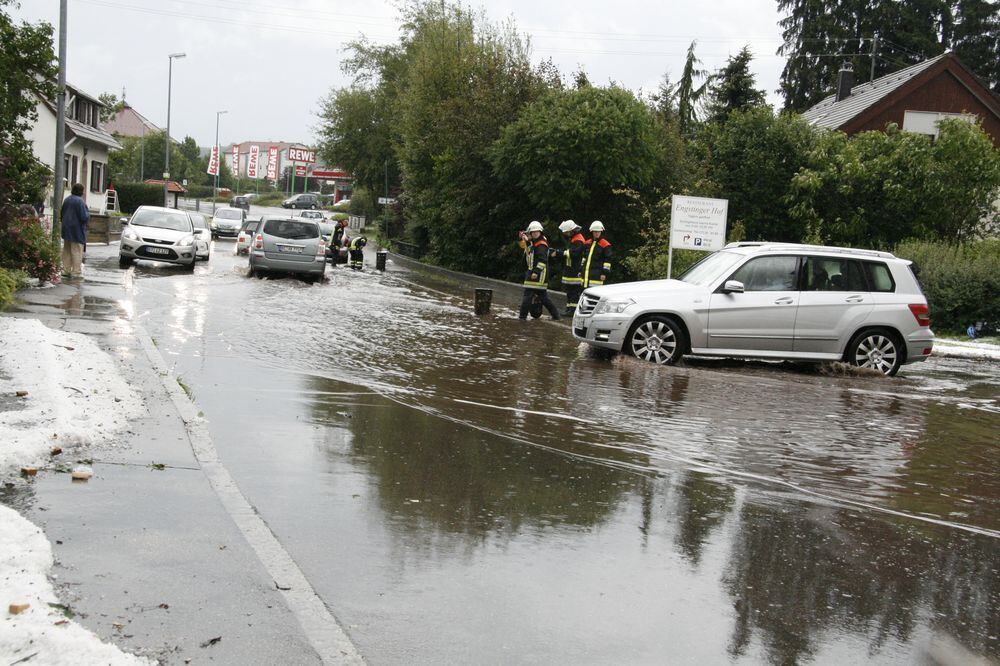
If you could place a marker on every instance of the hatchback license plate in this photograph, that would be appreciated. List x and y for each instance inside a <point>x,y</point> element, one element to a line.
<point>290,249</point>
<point>157,250</point>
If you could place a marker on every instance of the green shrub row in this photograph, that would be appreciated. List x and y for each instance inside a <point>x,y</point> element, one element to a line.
<point>133,195</point>
<point>961,281</point>
<point>200,191</point>
<point>26,246</point>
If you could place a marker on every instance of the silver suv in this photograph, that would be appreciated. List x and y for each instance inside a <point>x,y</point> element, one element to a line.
<point>772,301</point>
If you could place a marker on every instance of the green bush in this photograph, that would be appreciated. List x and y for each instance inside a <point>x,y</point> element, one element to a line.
<point>961,281</point>
<point>200,191</point>
<point>10,281</point>
<point>26,246</point>
<point>133,195</point>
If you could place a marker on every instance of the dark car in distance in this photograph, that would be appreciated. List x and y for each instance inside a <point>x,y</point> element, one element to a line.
<point>241,201</point>
<point>304,200</point>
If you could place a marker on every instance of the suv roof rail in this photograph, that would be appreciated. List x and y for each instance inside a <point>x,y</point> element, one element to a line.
<point>769,246</point>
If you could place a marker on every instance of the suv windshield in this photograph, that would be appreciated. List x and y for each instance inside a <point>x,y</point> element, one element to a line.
<point>161,219</point>
<point>291,229</point>
<point>710,268</point>
<point>229,214</point>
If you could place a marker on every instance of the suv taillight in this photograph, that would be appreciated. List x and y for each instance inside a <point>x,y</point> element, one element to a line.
<point>259,242</point>
<point>921,313</point>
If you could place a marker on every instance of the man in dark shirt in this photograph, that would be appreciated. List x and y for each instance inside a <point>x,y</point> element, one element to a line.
<point>74,220</point>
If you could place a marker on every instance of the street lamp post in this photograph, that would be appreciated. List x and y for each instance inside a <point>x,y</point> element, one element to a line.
<point>166,148</point>
<point>218,168</point>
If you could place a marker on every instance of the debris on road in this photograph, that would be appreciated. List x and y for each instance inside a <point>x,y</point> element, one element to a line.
<point>211,641</point>
<point>82,474</point>
<point>17,609</point>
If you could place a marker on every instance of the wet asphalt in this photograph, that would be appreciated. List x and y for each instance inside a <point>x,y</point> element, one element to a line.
<point>462,489</point>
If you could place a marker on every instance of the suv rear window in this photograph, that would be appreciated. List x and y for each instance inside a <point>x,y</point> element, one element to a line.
<point>292,229</point>
<point>879,277</point>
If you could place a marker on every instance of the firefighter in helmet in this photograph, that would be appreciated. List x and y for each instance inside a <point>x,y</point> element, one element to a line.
<point>536,277</point>
<point>596,257</point>
<point>572,263</point>
<point>357,252</point>
<point>338,242</point>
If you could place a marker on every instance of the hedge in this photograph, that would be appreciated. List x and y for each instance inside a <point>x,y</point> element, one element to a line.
<point>961,281</point>
<point>9,282</point>
<point>133,195</point>
<point>200,191</point>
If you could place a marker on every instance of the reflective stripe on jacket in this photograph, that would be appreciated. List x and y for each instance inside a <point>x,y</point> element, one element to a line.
<point>597,262</point>
<point>536,256</point>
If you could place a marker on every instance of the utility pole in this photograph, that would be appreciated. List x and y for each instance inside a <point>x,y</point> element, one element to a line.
<point>166,148</point>
<point>218,152</point>
<point>874,51</point>
<point>60,159</point>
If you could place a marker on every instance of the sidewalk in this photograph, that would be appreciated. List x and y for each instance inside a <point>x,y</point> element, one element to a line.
<point>146,556</point>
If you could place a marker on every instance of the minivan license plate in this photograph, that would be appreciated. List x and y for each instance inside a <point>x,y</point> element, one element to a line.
<point>291,249</point>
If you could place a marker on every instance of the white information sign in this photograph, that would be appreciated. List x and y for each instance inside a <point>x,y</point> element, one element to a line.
<point>697,223</point>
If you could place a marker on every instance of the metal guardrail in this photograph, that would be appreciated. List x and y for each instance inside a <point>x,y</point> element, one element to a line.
<point>406,249</point>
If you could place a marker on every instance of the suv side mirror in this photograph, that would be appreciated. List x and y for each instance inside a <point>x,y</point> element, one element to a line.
<point>733,287</point>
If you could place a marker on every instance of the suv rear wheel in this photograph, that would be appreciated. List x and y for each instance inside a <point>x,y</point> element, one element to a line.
<point>877,349</point>
<point>657,339</point>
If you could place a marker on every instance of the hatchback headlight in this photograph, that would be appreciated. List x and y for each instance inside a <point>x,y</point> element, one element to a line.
<point>613,306</point>
<point>130,234</point>
<point>186,241</point>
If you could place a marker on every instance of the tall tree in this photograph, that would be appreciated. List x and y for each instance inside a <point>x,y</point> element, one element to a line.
<point>27,76</point>
<point>112,105</point>
<point>976,38</point>
<point>733,88</point>
<point>689,93</point>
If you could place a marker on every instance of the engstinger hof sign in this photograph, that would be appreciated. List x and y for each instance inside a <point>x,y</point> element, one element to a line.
<point>302,155</point>
<point>272,163</point>
<point>252,171</point>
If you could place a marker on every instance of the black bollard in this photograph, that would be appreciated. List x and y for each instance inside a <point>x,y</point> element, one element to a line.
<point>380,259</point>
<point>484,298</point>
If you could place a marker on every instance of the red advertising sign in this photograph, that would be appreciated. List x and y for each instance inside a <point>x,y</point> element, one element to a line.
<point>300,169</point>
<point>272,163</point>
<point>302,155</point>
<point>213,162</point>
<point>236,160</point>
<point>252,171</point>
<point>323,172</point>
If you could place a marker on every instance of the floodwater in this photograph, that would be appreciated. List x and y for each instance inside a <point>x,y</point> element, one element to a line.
<point>483,490</point>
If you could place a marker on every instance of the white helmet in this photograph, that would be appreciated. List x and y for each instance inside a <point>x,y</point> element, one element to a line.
<point>535,226</point>
<point>597,225</point>
<point>568,226</point>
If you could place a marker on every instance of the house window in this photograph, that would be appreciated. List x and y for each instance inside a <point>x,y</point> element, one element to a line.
<point>926,122</point>
<point>97,176</point>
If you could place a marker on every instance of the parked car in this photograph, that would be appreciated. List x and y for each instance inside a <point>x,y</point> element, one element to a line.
<point>203,236</point>
<point>289,245</point>
<point>240,201</point>
<point>304,200</point>
<point>158,234</point>
<point>227,222</point>
<point>344,202</point>
<point>772,301</point>
<point>244,240</point>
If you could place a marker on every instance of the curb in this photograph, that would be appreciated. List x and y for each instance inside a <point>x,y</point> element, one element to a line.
<point>321,628</point>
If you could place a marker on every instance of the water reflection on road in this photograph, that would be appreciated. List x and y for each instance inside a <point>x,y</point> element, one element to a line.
<point>481,489</point>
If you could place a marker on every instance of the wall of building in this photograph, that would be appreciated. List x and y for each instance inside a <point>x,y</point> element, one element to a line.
<point>944,93</point>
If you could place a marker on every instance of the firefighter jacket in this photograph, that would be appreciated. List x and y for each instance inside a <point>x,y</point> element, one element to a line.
<point>572,270</point>
<point>357,243</point>
<point>536,256</point>
<point>596,262</point>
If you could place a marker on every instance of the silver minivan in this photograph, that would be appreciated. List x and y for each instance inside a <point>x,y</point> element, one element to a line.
<point>771,301</point>
<point>288,245</point>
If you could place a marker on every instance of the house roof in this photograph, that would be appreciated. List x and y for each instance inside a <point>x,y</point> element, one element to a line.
<point>129,122</point>
<point>89,133</point>
<point>172,185</point>
<point>831,114</point>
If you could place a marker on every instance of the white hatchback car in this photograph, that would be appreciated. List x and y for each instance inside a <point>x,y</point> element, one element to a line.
<point>772,301</point>
<point>158,234</point>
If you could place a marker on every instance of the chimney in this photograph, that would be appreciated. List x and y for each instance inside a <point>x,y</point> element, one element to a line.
<point>845,81</point>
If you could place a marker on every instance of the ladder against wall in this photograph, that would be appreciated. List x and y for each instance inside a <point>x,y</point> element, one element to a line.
<point>111,202</point>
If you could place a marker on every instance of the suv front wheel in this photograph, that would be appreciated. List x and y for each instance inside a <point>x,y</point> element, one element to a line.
<point>657,339</point>
<point>876,349</point>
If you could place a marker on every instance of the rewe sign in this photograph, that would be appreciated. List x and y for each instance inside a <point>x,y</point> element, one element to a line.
<point>302,155</point>
<point>252,162</point>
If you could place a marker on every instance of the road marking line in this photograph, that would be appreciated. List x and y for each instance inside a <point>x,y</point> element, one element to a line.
<point>321,628</point>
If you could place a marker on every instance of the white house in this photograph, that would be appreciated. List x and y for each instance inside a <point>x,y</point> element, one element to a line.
<point>87,145</point>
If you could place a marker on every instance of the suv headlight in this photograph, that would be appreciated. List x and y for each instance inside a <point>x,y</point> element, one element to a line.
<point>613,306</point>
<point>186,241</point>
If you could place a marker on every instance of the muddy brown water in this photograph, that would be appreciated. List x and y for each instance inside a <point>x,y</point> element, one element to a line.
<point>483,490</point>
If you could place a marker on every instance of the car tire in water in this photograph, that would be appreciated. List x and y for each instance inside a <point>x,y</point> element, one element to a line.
<point>190,267</point>
<point>312,207</point>
<point>876,349</point>
<point>657,339</point>
<point>124,262</point>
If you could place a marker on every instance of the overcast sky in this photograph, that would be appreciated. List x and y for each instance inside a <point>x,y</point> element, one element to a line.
<point>268,62</point>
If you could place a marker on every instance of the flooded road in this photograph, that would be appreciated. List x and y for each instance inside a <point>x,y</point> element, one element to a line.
<point>461,489</point>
